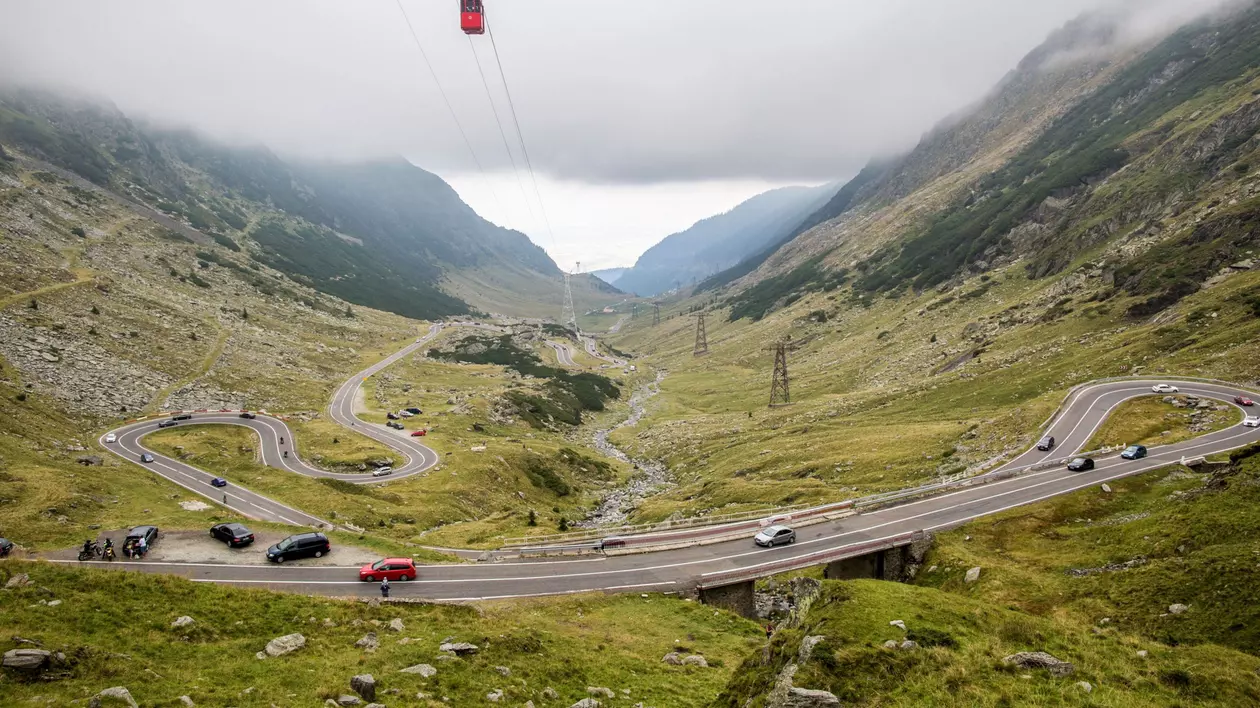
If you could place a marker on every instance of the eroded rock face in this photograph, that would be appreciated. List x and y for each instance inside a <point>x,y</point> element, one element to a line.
<point>1040,660</point>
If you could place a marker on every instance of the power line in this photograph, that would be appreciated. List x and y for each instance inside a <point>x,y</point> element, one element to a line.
<point>468,143</point>
<point>494,109</point>
<point>521,136</point>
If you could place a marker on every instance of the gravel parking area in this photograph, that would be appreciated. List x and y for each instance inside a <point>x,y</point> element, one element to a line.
<point>199,547</point>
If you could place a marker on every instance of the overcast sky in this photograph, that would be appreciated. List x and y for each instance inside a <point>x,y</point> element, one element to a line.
<point>640,116</point>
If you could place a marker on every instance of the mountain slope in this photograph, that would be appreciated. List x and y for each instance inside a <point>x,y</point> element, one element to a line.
<point>383,234</point>
<point>610,275</point>
<point>721,241</point>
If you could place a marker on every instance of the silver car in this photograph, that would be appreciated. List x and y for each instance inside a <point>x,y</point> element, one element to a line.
<point>775,536</point>
<point>382,471</point>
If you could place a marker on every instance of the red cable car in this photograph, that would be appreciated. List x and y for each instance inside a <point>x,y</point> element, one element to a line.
<point>472,18</point>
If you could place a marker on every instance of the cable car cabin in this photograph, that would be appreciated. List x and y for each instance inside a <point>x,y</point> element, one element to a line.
<point>472,18</point>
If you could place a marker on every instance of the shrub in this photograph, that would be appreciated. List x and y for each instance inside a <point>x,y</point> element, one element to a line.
<point>78,231</point>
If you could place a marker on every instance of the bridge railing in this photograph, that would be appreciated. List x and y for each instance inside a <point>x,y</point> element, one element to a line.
<point>738,575</point>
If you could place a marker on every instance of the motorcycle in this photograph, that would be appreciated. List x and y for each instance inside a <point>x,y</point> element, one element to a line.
<point>89,553</point>
<point>110,554</point>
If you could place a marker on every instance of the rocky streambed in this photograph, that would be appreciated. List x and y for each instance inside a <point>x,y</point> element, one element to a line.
<point>651,476</point>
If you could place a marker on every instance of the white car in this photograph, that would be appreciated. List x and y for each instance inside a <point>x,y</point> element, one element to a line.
<point>1252,421</point>
<point>1164,388</point>
<point>111,438</point>
<point>381,472</point>
<point>405,414</point>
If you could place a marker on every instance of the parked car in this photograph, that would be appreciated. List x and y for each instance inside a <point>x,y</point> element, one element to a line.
<point>218,482</point>
<point>390,568</point>
<point>1252,421</point>
<point>775,536</point>
<point>131,544</point>
<point>6,547</point>
<point>111,438</point>
<point>414,411</point>
<point>382,471</point>
<point>146,457</point>
<point>1164,388</point>
<point>392,416</point>
<point>419,433</point>
<point>302,545</point>
<point>1134,452</point>
<point>233,534</point>
<point>182,416</point>
<point>1081,464</point>
<point>166,424</point>
<point>1243,400</point>
<point>404,414</point>
<point>1046,443</point>
<point>248,416</point>
<point>395,426</point>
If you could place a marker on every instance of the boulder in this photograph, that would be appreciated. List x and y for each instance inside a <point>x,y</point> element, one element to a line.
<point>348,700</point>
<point>459,648</point>
<point>672,658</point>
<point>187,702</point>
<point>364,685</point>
<point>600,691</point>
<point>808,698</point>
<point>115,696</point>
<point>396,625</point>
<point>1177,608</point>
<point>973,575</point>
<point>1106,488</point>
<point>183,621</point>
<point>1040,660</point>
<point>368,642</point>
<point>587,703</point>
<point>17,581</point>
<point>374,705</point>
<point>284,645</point>
<point>89,460</point>
<point>693,660</point>
<point>898,624</point>
<point>908,645</point>
<point>550,693</point>
<point>495,696</point>
<point>27,659</point>
<point>503,670</point>
<point>1085,686</point>
<point>424,670</point>
<point>890,644</point>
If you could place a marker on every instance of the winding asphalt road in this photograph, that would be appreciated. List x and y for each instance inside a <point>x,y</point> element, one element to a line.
<point>1079,418</point>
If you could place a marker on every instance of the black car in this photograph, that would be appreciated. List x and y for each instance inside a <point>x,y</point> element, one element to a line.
<point>392,416</point>
<point>1046,443</point>
<point>395,426</point>
<point>234,535</point>
<point>166,424</point>
<point>1081,464</point>
<point>6,547</point>
<point>248,416</point>
<point>146,457</point>
<point>1134,452</point>
<point>414,411</point>
<point>302,545</point>
<point>182,416</point>
<point>131,544</point>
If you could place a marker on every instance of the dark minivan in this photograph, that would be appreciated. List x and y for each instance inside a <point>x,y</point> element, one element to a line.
<point>302,545</point>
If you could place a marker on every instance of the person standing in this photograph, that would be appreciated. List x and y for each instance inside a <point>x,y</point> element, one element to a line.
<point>385,587</point>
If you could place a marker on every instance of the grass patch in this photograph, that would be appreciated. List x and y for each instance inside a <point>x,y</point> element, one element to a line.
<point>1150,421</point>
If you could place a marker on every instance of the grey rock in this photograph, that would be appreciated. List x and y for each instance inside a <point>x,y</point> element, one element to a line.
<point>54,603</point>
<point>694,660</point>
<point>374,705</point>
<point>1142,653</point>
<point>396,625</point>
<point>364,685</point>
<point>459,648</point>
<point>600,691</point>
<point>285,645</point>
<point>503,670</point>
<point>809,698</point>
<point>348,700</point>
<point>898,624</point>
<point>1106,488</point>
<point>1085,686</point>
<point>587,703</point>
<point>27,659</point>
<point>908,645</point>
<point>368,642</point>
<point>114,696</point>
<point>187,702</point>
<point>1040,660</point>
<point>806,649</point>
<point>495,696</point>
<point>424,670</point>
<point>972,575</point>
<point>550,693</point>
<point>673,658</point>
<point>17,581</point>
<point>1177,608</point>
<point>183,621</point>
<point>890,644</point>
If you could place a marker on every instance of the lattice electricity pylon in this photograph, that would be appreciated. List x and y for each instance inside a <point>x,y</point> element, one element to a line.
<point>656,313</point>
<point>569,315</point>
<point>702,337</point>
<point>780,393</point>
